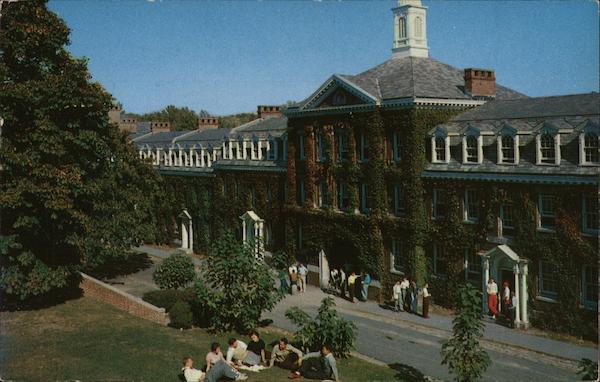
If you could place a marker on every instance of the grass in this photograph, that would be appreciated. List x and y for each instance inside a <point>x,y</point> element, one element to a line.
<point>88,340</point>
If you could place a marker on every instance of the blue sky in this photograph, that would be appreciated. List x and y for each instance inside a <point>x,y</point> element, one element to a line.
<point>228,57</point>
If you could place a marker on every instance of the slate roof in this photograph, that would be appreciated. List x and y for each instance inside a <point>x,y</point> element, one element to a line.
<point>270,125</point>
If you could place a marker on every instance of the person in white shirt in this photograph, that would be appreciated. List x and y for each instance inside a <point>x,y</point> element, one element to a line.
<point>302,272</point>
<point>426,301</point>
<point>343,283</point>
<point>318,365</point>
<point>293,273</point>
<point>219,371</point>
<point>404,285</point>
<point>238,354</point>
<point>397,295</point>
<point>492,292</point>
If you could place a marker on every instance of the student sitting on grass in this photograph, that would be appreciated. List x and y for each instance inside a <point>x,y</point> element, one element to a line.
<point>285,356</point>
<point>257,346</point>
<point>217,372</point>
<point>318,366</point>
<point>238,354</point>
<point>215,355</point>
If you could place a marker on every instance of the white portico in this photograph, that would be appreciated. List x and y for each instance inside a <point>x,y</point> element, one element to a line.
<point>503,265</point>
<point>253,231</point>
<point>187,232</point>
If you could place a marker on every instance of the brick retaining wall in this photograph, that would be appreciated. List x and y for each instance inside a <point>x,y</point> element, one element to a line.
<point>98,290</point>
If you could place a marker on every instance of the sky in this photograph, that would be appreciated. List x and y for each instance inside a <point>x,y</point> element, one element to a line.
<point>228,57</point>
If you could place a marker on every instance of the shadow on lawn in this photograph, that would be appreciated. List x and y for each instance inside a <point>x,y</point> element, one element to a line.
<point>56,297</point>
<point>407,373</point>
<point>130,262</point>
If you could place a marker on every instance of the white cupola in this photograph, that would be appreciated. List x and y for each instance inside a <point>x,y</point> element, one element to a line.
<point>410,29</point>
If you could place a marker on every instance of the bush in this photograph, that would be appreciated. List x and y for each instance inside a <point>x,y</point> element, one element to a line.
<point>326,327</point>
<point>280,260</point>
<point>235,287</point>
<point>174,272</point>
<point>180,315</point>
<point>463,354</point>
<point>166,298</point>
<point>588,370</point>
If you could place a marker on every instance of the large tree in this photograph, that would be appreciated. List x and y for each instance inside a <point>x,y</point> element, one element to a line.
<point>73,192</point>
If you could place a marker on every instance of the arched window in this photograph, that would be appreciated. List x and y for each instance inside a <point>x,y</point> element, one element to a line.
<point>508,149</point>
<point>401,28</point>
<point>418,27</point>
<point>547,151</point>
<point>591,148</point>
<point>440,149</point>
<point>472,150</point>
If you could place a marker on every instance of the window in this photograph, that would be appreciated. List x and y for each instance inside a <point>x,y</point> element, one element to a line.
<point>546,211</point>
<point>396,258</point>
<point>590,286</point>
<point>440,149</point>
<point>364,148</point>
<point>471,150</point>
<point>547,149</point>
<point>548,281</point>
<point>301,154</point>
<point>343,197</point>
<point>270,153</point>
<point>472,267</point>
<point>591,148</point>
<point>323,194</point>
<point>396,146</point>
<point>249,153</point>
<point>507,221</point>
<point>439,205</point>
<point>471,206</point>
<point>590,214</point>
<point>507,149</point>
<point>342,141</point>
<point>320,148</point>
<point>365,204</point>
<point>438,260</point>
<point>402,27</point>
<point>301,194</point>
<point>398,205</point>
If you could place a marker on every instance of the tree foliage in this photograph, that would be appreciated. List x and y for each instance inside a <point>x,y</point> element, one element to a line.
<point>73,190</point>
<point>235,287</point>
<point>181,118</point>
<point>463,354</point>
<point>326,328</point>
<point>175,272</point>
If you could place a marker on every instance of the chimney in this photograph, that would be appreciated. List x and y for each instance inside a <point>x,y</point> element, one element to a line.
<point>480,82</point>
<point>114,114</point>
<point>268,110</point>
<point>208,123</point>
<point>159,127</point>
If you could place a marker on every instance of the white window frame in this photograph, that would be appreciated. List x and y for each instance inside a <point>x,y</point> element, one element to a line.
<point>585,299</point>
<point>479,149</point>
<point>544,293</point>
<point>436,194</point>
<point>583,149</point>
<point>446,140</point>
<point>584,215</point>
<point>396,146</point>
<point>500,149</point>
<point>541,215</point>
<point>466,202</point>
<point>552,132</point>
<point>396,250</point>
<point>502,227</point>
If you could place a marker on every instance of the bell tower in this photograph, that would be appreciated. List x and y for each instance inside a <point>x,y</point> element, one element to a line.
<point>410,29</point>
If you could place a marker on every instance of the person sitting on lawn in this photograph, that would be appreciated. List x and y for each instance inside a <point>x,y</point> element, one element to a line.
<point>219,371</point>
<point>215,355</point>
<point>318,366</point>
<point>257,346</point>
<point>285,356</point>
<point>238,354</point>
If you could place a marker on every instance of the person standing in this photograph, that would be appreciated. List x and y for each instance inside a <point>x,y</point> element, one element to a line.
<point>302,272</point>
<point>342,283</point>
<point>413,289</point>
<point>365,286</point>
<point>334,279</point>
<point>397,295</point>
<point>492,292</point>
<point>506,300</point>
<point>352,285</point>
<point>293,272</point>
<point>426,300</point>
<point>404,285</point>
<point>514,301</point>
<point>283,284</point>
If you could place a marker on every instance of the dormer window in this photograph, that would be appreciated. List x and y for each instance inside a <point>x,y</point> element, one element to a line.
<point>591,148</point>
<point>440,146</point>
<point>471,150</point>
<point>548,146</point>
<point>472,146</point>
<point>508,149</point>
<point>440,150</point>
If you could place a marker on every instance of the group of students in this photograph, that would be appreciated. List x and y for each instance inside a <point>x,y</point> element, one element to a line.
<point>508,303</point>
<point>316,365</point>
<point>406,294</point>
<point>297,275</point>
<point>357,286</point>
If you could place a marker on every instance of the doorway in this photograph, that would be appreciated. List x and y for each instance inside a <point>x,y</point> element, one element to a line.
<point>508,276</point>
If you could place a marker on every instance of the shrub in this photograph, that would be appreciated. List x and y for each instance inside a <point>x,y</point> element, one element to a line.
<point>588,370</point>
<point>174,272</point>
<point>166,298</point>
<point>280,260</point>
<point>326,327</point>
<point>463,354</point>
<point>234,287</point>
<point>180,315</point>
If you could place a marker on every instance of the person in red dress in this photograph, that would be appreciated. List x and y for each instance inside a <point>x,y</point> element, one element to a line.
<point>492,292</point>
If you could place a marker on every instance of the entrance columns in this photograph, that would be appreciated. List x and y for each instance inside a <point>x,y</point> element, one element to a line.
<point>486,278</point>
<point>187,232</point>
<point>517,294</point>
<point>523,297</point>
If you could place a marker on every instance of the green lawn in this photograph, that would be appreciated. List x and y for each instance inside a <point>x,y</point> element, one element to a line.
<point>88,340</point>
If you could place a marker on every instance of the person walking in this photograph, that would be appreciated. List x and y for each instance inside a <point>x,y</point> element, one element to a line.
<point>404,285</point>
<point>365,286</point>
<point>302,272</point>
<point>283,284</point>
<point>352,285</point>
<point>343,283</point>
<point>426,300</point>
<point>397,295</point>
<point>492,292</point>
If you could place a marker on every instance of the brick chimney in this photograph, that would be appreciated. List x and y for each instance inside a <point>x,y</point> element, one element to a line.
<point>208,123</point>
<point>480,82</point>
<point>159,127</point>
<point>114,114</point>
<point>268,110</point>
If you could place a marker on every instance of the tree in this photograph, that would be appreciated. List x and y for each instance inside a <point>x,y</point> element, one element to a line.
<point>175,272</point>
<point>181,118</point>
<point>463,354</point>
<point>74,192</point>
<point>234,287</point>
<point>326,328</point>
